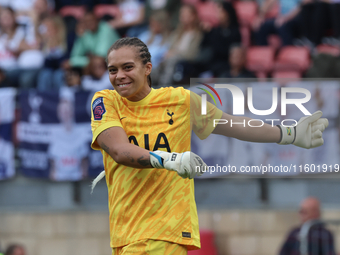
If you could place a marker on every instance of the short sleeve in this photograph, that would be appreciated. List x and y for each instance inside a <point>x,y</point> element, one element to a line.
<point>103,115</point>
<point>202,125</point>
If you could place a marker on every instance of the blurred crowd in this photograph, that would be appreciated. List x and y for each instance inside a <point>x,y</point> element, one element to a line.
<point>47,44</point>
<point>14,249</point>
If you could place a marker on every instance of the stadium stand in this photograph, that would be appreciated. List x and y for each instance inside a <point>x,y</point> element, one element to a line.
<point>260,60</point>
<point>207,12</point>
<point>101,10</point>
<point>73,10</point>
<point>246,12</point>
<point>328,49</point>
<point>292,58</point>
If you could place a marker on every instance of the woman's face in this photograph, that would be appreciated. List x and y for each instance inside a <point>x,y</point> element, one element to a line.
<point>128,75</point>
<point>155,26</point>
<point>65,111</point>
<point>186,16</point>
<point>7,19</point>
<point>98,67</point>
<point>49,29</point>
<point>223,15</point>
<point>40,6</point>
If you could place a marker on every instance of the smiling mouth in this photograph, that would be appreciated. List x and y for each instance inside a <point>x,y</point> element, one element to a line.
<point>123,85</point>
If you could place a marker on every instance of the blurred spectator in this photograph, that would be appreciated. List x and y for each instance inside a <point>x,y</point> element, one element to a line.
<point>15,249</point>
<point>11,38</point>
<point>88,3</point>
<point>324,66</point>
<point>3,82</point>
<point>41,9</point>
<point>170,6</point>
<point>29,13</point>
<point>319,240</point>
<point>315,19</point>
<point>237,62</point>
<point>20,7</point>
<point>334,7</point>
<point>184,44</point>
<point>98,78</point>
<point>96,40</point>
<point>157,37</point>
<point>73,77</point>
<point>21,57</point>
<point>69,161</point>
<point>131,16</point>
<point>53,38</point>
<point>285,25</point>
<point>216,43</point>
<point>304,19</point>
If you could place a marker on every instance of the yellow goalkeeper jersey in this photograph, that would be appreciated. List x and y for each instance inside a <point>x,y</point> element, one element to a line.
<point>151,203</point>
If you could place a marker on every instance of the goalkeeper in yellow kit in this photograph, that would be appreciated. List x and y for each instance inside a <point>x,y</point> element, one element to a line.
<point>144,136</point>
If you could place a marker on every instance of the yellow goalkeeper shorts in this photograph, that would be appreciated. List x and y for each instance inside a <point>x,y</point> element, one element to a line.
<point>151,247</point>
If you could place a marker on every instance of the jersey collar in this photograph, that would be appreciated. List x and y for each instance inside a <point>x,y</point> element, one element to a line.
<point>144,101</point>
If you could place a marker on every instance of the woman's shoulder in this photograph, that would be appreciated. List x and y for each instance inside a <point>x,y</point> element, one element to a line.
<point>109,93</point>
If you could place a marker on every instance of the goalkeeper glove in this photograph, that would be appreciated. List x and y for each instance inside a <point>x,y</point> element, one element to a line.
<point>186,164</point>
<point>307,133</point>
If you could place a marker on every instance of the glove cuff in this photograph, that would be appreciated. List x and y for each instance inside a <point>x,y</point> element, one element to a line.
<point>156,160</point>
<point>287,134</point>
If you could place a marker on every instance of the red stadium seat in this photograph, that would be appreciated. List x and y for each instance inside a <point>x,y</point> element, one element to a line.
<point>73,10</point>
<point>106,9</point>
<point>328,49</point>
<point>246,11</point>
<point>260,59</point>
<point>292,58</point>
<point>207,244</point>
<point>207,12</point>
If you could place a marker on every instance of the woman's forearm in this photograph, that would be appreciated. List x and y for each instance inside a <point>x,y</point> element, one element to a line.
<point>125,153</point>
<point>240,128</point>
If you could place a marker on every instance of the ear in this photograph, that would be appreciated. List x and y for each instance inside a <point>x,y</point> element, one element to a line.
<point>148,67</point>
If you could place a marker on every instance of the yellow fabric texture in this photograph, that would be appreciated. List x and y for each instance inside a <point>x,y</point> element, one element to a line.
<point>152,203</point>
<point>151,247</point>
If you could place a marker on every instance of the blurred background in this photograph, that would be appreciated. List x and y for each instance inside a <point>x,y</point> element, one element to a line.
<point>52,61</point>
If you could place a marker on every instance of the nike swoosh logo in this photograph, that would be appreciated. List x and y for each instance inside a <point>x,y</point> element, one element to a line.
<point>122,118</point>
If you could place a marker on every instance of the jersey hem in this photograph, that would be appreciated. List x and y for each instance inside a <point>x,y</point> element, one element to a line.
<point>189,247</point>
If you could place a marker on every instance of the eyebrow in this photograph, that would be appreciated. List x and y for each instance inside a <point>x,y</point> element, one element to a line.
<point>122,64</point>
